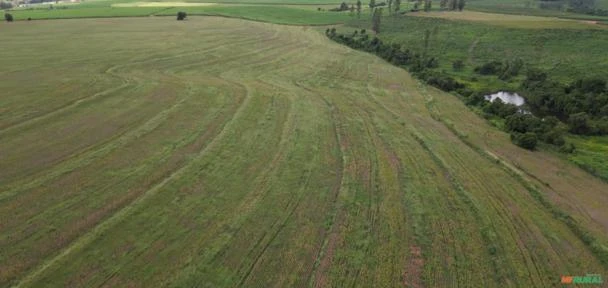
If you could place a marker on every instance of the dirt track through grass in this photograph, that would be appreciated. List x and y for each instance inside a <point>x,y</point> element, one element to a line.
<point>222,153</point>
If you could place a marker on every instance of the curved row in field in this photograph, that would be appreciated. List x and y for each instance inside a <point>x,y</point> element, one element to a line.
<point>223,153</point>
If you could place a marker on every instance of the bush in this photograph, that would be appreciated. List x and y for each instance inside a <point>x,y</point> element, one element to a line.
<point>490,68</point>
<point>343,7</point>
<point>501,109</point>
<point>522,123</point>
<point>458,65</point>
<point>567,148</point>
<point>441,81</point>
<point>181,16</point>
<point>554,137</point>
<point>8,17</point>
<point>579,123</point>
<point>526,140</point>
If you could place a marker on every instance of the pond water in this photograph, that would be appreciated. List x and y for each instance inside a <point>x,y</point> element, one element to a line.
<point>507,97</point>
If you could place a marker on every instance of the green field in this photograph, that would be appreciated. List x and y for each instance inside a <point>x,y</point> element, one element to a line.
<point>220,152</point>
<point>562,47</point>
<point>281,14</point>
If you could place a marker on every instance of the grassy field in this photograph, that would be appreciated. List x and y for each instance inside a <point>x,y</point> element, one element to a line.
<point>566,51</point>
<point>219,152</point>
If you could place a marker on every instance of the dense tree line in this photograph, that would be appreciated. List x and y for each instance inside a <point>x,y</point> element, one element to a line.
<point>5,5</point>
<point>582,104</point>
<point>416,62</point>
<point>577,6</point>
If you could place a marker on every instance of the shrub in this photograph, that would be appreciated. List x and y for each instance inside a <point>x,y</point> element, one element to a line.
<point>343,7</point>
<point>522,123</point>
<point>8,17</point>
<point>579,123</point>
<point>526,140</point>
<point>490,68</point>
<point>567,148</point>
<point>458,65</point>
<point>554,137</point>
<point>181,16</point>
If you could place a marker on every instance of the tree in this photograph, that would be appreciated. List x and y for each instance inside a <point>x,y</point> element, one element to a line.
<point>443,4</point>
<point>372,3</point>
<point>427,39</point>
<point>453,5</point>
<point>358,8</point>
<point>352,10</point>
<point>397,5</point>
<point>427,5</point>
<point>579,123</point>
<point>8,17</point>
<point>390,5</point>
<point>376,17</point>
<point>460,4</point>
<point>181,16</point>
<point>458,65</point>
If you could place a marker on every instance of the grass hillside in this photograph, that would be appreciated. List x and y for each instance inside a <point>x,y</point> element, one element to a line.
<point>219,152</point>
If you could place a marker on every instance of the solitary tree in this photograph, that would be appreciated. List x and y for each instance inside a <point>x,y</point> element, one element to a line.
<point>8,17</point>
<point>443,4</point>
<point>181,16</point>
<point>427,39</point>
<point>427,5</point>
<point>352,10</point>
<point>461,5</point>
<point>358,8</point>
<point>397,5</point>
<point>390,5</point>
<point>376,16</point>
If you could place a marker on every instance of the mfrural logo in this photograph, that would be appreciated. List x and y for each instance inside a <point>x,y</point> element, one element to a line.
<point>587,279</point>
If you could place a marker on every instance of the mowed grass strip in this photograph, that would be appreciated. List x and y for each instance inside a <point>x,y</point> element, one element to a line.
<point>252,154</point>
<point>272,14</point>
<point>512,21</point>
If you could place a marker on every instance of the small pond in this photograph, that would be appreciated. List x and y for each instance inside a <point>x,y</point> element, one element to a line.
<point>507,97</point>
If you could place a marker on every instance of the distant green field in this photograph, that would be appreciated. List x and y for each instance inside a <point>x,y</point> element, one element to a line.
<point>293,15</point>
<point>518,5</point>
<point>36,14</point>
<point>567,53</point>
